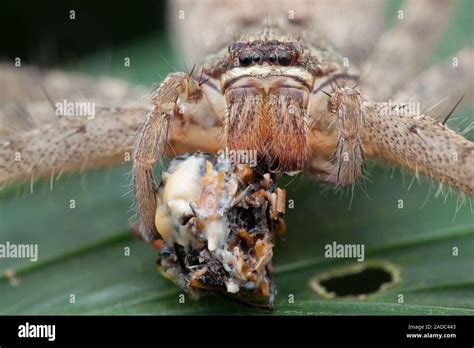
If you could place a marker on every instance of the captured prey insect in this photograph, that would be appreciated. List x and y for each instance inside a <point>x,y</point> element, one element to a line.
<point>218,222</point>
<point>299,96</point>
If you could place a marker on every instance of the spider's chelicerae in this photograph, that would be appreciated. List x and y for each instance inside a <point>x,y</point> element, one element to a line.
<point>299,85</point>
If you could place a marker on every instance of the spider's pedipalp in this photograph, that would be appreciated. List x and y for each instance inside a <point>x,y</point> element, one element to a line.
<point>348,157</point>
<point>154,136</point>
<point>402,51</point>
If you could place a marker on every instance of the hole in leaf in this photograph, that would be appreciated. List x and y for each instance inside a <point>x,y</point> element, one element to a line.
<point>356,281</point>
<point>364,282</point>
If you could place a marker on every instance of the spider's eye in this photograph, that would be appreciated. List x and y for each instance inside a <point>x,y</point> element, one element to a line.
<point>245,59</point>
<point>257,56</point>
<point>272,57</point>
<point>284,57</point>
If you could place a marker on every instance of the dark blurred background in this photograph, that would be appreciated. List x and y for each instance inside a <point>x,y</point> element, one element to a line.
<point>41,32</point>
